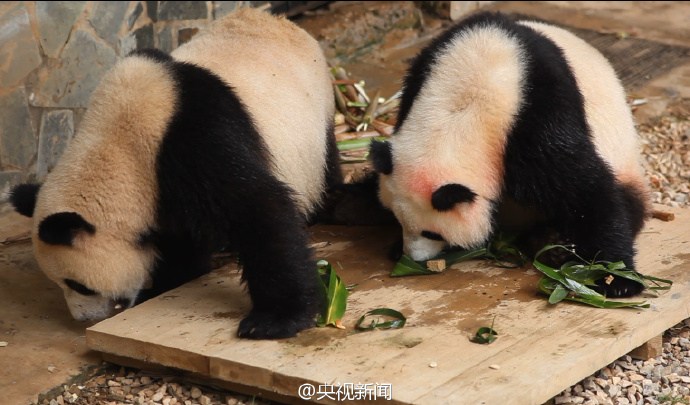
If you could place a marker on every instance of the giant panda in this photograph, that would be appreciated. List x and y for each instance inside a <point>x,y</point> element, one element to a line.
<point>500,113</point>
<point>225,142</point>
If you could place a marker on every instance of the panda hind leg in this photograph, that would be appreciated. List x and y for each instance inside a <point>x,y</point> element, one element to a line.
<point>606,234</point>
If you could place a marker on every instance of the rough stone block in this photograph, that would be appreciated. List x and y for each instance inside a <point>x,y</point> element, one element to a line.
<point>8,179</point>
<point>19,53</point>
<point>83,62</point>
<point>152,10</point>
<point>55,21</point>
<point>221,8</point>
<point>144,37</point>
<point>17,137</point>
<point>185,34</point>
<point>182,10</point>
<point>107,18</point>
<point>460,9</point>
<point>128,44</point>
<point>57,129</point>
<point>650,349</point>
<point>134,16</point>
<point>165,40</point>
<point>139,39</point>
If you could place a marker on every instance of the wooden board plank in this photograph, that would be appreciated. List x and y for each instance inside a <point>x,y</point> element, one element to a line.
<point>431,360</point>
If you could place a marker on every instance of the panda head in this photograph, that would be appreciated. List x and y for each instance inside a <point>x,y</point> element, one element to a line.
<point>100,272</point>
<point>434,211</point>
<point>94,211</point>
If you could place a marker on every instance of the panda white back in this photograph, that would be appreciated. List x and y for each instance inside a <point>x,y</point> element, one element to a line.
<point>247,61</point>
<point>496,113</point>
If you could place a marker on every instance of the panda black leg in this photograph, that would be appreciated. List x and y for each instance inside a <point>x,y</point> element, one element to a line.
<point>280,273</point>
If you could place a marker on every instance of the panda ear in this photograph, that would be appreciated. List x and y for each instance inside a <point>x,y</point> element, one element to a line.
<point>445,197</point>
<point>381,157</point>
<point>63,227</point>
<point>23,198</point>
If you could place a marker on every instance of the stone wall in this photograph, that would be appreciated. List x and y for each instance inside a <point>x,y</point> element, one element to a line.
<point>52,56</point>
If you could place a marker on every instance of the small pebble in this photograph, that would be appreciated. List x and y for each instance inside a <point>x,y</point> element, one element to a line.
<point>494,367</point>
<point>433,364</point>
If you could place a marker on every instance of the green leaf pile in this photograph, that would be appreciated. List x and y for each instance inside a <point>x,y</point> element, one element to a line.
<point>500,250</point>
<point>572,281</point>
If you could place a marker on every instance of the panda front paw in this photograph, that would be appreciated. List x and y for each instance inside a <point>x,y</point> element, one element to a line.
<point>268,325</point>
<point>619,288</point>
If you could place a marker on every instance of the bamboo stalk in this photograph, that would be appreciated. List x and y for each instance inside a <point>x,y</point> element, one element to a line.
<point>383,128</point>
<point>340,74</point>
<point>346,136</point>
<point>342,81</point>
<point>388,106</point>
<point>340,101</point>
<point>369,112</point>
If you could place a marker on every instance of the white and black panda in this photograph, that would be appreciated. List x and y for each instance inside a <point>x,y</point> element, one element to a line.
<point>496,112</point>
<point>228,140</point>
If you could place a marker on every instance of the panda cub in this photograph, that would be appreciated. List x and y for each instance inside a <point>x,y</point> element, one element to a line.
<point>498,113</point>
<point>227,141</point>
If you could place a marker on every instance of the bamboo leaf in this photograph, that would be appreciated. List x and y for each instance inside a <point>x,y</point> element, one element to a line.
<point>335,293</point>
<point>558,294</point>
<point>397,322</point>
<point>655,283</point>
<point>573,277</point>
<point>464,255</point>
<point>408,267</point>
<point>485,335</point>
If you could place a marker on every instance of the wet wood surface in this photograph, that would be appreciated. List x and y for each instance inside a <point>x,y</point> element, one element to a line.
<point>541,349</point>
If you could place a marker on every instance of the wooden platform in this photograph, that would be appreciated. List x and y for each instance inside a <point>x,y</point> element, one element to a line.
<point>541,349</point>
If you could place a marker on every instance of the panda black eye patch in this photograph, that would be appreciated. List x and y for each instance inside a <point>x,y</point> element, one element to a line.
<point>78,287</point>
<point>432,235</point>
<point>445,197</point>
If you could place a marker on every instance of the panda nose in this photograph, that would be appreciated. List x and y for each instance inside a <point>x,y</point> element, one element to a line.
<point>121,304</point>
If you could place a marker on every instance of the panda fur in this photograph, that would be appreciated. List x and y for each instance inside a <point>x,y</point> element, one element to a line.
<point>227,141</point>
<point>497,112</point>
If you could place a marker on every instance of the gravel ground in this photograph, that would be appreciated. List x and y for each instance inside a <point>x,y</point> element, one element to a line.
<point>666,148</point>
<point>110,385</point>
<point>663,380</point>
